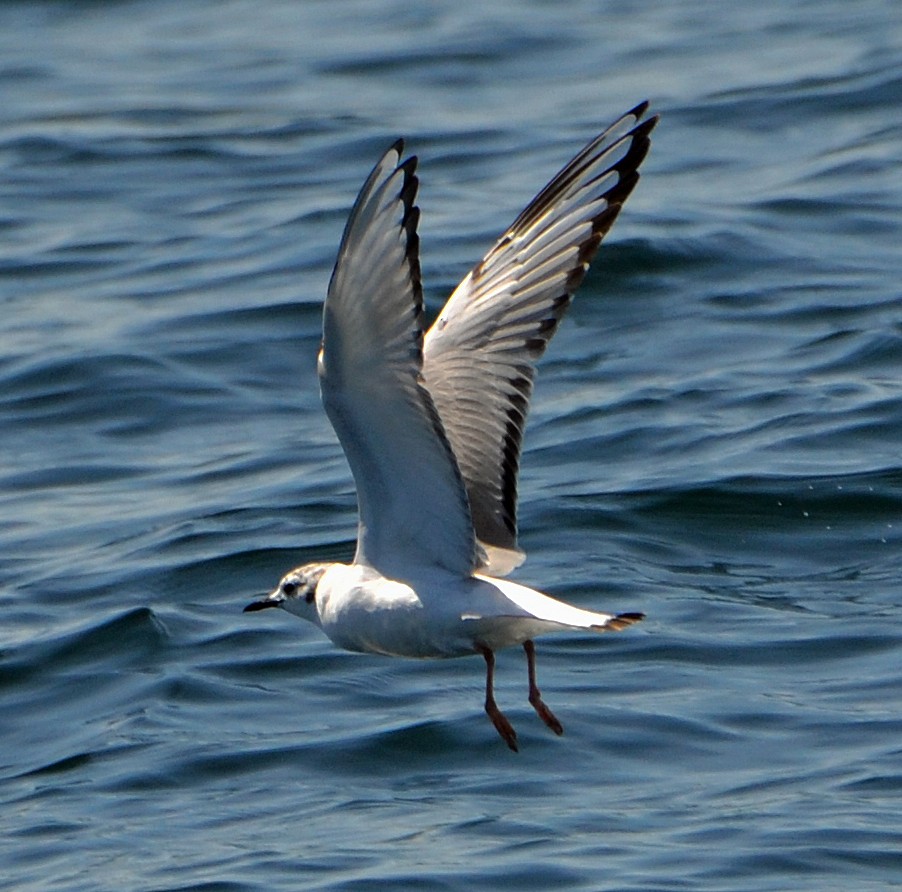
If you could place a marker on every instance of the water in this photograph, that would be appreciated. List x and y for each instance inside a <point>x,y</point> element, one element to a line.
<point>715,441</point>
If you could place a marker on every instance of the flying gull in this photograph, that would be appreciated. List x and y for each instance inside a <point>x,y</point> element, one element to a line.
<point>432,421</point>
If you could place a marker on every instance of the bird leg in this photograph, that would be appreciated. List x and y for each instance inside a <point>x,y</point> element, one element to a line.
<point>499,720</point>
<point>535,696</point>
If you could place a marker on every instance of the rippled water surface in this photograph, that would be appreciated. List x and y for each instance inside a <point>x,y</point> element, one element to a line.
<point>715,440</point>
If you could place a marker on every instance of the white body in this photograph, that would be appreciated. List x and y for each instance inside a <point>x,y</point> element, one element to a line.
<point>360,610</point>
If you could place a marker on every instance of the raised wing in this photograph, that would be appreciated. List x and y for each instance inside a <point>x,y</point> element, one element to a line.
<point>479,356</point>
<point>412,501</point>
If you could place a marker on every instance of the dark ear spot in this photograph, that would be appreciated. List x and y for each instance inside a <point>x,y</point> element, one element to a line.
<point>311,594</point>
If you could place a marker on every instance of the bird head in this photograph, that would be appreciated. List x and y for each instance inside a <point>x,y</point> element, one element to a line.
<point>296,592</point>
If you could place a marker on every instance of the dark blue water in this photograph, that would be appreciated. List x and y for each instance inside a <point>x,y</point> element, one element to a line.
<point>716,440</point>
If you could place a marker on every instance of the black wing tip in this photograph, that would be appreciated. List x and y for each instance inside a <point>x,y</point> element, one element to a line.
<point>638,112</point>
<point>628,174</point>
<point>411,184</point>
<point>410,223</point>
<point>641,135</point>
<point>412,254</point>
<point>408,164</point>
<point>637,142</point>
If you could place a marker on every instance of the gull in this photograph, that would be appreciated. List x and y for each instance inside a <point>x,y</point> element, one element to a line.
<point>431,422</point>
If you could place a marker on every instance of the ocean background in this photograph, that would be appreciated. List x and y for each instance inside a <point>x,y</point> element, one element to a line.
<point>716,440</point>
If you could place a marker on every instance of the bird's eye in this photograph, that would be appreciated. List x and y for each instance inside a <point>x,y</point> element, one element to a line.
<point>289,588</point>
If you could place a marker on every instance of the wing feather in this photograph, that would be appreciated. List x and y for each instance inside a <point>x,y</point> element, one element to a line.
<point>411,497</point>
<point>479,356</point>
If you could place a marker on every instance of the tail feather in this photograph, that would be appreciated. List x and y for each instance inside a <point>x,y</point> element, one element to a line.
<point>619,622</point>
<point>525,613</point>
